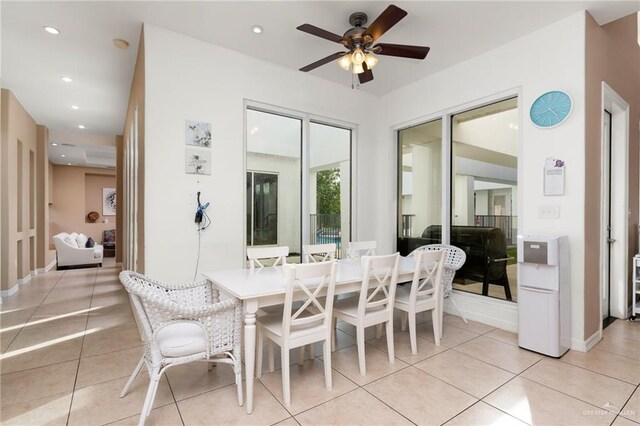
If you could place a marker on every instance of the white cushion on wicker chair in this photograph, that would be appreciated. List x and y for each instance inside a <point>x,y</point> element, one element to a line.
<point>181,339</point>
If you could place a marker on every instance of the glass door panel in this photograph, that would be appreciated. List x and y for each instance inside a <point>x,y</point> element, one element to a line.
<point>273,163</point>
<point>484,189</point>
<point>419,186</point>
<point>329,185</point>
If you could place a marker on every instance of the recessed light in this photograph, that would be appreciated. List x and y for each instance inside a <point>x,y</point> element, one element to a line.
<point>257,29</point>
<point>68,164</point>
<point>51,30</point>
<point>66,79</point>
<point>54,144</point>
<point>81,126</point>
<point>76,107</point>
<point>62,155</point>
<point>120,43</point>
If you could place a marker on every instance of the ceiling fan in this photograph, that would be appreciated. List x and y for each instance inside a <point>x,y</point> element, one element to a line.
<point>360,56</point>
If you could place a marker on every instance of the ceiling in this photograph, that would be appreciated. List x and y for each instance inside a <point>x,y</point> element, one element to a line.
<point>33,61</point>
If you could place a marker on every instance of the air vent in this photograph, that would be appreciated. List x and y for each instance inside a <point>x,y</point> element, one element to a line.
<point>67,144</point>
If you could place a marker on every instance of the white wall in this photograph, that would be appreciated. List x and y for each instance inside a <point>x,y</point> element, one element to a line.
<point>551,58</point>
<point>190,79</point>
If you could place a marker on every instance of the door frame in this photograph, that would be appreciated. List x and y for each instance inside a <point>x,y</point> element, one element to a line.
<point>619,265</point>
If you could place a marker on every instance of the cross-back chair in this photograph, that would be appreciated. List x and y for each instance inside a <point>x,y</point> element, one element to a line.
<point>364,248</point>
<point>423,295</point>
<point>318,252</point>
<point>374,304</point>
<point>258,256</point>
<point>303,325</point>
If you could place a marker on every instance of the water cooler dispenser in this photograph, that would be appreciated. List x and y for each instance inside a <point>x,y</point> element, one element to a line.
<point>544,294</point>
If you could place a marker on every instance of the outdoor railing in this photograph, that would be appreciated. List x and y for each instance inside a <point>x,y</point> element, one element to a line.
<point>507,224</point>
<point>325,229</point>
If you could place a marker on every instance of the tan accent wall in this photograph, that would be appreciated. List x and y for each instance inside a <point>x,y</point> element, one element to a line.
<point>18,191</point>
<point>136,100</point>
<point>44,256</point>
<point>119,194</point>
<point>77,191</point>
<point>612,56</point>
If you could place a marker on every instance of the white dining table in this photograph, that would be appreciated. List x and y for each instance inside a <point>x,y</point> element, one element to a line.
<point>258,288</point>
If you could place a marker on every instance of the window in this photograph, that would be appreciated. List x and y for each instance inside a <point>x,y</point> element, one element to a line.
<point>298,185</point>
<point>420,186</point>
<point>274,147</point>
<point>484,182</point>
<point>329,185</point>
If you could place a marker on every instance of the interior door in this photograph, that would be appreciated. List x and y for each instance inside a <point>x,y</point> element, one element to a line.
<point>606,287</point>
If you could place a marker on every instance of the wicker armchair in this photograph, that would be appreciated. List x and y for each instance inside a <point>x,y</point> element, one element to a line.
<point>181,324</point>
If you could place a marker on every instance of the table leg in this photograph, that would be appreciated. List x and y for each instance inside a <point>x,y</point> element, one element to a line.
<point>250,350</point>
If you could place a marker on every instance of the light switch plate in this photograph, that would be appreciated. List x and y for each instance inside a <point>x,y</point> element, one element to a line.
<point>549,212</point>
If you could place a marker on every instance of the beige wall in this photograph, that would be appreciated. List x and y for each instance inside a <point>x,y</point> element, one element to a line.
<point>612,56</point>
<point>44,255</point>
<point>136,100</point>
<point>20,191</point>
<point>76,192</point>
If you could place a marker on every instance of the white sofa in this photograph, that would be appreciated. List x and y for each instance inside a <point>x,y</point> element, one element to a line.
<point>71,250</point>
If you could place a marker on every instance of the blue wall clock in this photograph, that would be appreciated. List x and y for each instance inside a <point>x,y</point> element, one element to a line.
<point>550,109</point>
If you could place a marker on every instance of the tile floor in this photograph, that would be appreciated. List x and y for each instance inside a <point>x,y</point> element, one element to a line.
<point>69,343</point>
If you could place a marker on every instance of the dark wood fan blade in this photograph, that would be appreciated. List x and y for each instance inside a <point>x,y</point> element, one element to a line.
<point>365,76</point>
<point>402,50</point>
<point>319,32</point>
<point>387,19</point>
<point>323,61</point>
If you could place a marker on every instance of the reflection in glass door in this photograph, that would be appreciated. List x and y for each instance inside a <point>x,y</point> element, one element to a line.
<point>274,170</point>
<point>484,189</point>
<point>329,185</point>
<point>262,208</point>
<point>420,186</point>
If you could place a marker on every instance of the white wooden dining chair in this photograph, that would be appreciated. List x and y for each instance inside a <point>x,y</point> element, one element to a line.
<point>318,252</point>
<point>364,248</point>
<point>297,327</point>
<point>259,257</point>
<point>180,324</point>
<point>374,304</point>
<point>454,258</point>
<point>423,295</point>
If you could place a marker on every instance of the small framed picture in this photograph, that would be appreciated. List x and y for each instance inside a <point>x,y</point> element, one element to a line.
<point>197,161</point>
<point>108,201</point>
<point>198,133</point>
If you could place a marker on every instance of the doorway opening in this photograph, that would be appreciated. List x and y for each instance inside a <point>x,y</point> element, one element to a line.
<point>614,202</point>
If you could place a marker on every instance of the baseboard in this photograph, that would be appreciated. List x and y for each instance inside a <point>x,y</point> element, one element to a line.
<point>586,345</point>
<point>13,290</point>
<point>486,310</point>
<point>25,280</point>
<point>46,268</point>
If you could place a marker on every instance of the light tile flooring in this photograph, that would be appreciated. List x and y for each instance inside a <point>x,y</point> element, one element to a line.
<point>69,342</point>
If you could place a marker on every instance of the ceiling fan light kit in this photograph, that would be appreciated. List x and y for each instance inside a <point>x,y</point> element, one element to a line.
<point>360,55</point>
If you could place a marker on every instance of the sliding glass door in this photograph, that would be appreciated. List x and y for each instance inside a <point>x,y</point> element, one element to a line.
<point>480,169</point>
<point>419,186</point>
<point>298,188</point>
<point>329,185</point>
<point>274,168</point>
<point>484,188</point>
